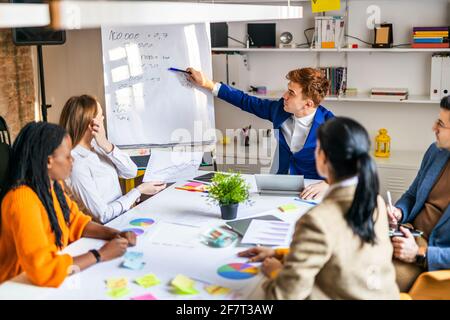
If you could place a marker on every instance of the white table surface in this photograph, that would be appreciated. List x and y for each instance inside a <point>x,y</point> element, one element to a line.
<point>169,249</point>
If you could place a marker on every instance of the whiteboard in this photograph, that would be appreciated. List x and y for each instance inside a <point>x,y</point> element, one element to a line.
<point>146,104</point>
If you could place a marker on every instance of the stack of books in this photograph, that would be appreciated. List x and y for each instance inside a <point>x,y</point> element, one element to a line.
<point>430,37</point>
<point>328,32</point>
<point>338,80</point>
<point>389,93</point>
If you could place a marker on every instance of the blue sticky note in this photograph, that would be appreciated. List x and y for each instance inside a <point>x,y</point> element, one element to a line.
<point>133,260</point>
<point>132,255</point>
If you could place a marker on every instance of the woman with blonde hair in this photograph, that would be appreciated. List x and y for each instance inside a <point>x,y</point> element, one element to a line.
<point>98,163</point>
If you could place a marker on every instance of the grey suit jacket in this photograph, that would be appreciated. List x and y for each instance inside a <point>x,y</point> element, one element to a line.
<point>412,202</point>
<point>328,261</point>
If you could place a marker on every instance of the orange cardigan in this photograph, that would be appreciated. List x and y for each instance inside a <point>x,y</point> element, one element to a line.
<point>27,242</point>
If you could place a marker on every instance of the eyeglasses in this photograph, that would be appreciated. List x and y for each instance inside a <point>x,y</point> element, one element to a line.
<point>440,124</point>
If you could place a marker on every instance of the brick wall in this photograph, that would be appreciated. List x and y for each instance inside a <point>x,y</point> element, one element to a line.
<point>17,95</point>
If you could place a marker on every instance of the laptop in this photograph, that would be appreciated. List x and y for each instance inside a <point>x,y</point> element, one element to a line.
<point>241,226</point>
<point>279,184</point>
<point>205,177</point>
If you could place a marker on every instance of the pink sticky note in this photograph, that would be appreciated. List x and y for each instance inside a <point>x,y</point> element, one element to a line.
<point>147,296</point>
<point>193,184</point>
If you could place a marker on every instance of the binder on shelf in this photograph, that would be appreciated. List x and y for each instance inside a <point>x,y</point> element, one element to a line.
<point>238,75</point>
<point>445,76</point>
<point>436,74</point>
<point>440,79</point>
<point>328,32</point>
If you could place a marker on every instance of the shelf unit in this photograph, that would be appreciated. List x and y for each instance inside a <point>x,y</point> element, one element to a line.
<point>361,97</point>
<point>357,15</point>
<point>358,50</point>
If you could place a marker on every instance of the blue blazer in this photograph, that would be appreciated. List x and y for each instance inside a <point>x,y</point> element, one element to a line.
<point>413,201</point>
<point>302,162</point>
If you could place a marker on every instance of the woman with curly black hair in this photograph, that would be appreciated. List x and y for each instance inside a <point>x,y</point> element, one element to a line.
<point>38,219</point>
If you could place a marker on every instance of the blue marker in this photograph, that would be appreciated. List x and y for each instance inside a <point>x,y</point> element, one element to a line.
<point>178,70</point>
<point>306,201</point>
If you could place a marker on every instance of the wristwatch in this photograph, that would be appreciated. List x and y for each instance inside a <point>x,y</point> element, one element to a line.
<point>421,257</point>
<point>96,255</point>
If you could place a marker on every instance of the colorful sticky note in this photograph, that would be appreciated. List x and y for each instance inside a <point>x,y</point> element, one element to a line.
<point>288,207</point>
<point>186,291</point>
<point>133,264</point>
<point>217,290</point>
<point>193,184</point>
<point>147,296</point>
<point>116,283</point>
<point>118,292</point>
<point>194,187</point>
<point>133,260</point>
<point>183,285</point>
<point>148,280</point>
<point>133,255</point>
<point>325,5</point>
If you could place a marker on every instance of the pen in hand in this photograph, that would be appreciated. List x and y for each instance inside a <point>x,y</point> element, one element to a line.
<point>178,70</point>
<point>390,209</point>
<point>390,201</point>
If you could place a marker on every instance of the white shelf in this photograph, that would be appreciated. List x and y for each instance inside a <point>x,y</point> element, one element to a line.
<point>396,50</point>
<point>233,49</point>
<point>358,98</point>
<point>367,98</point>
<point>359,50</point>
<point>400,159</point>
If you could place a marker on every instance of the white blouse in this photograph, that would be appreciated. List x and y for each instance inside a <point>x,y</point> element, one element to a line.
<point>95,181</point>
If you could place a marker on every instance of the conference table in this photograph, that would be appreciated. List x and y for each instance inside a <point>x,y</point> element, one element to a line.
<point>170,240</point>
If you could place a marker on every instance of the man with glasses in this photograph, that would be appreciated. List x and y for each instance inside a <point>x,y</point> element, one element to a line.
<point>425,206</point>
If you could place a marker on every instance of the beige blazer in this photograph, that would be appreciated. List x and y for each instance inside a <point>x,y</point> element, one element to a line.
<point>328,261</point>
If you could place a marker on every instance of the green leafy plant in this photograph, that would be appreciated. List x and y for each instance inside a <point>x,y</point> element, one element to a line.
<point>228,188</point>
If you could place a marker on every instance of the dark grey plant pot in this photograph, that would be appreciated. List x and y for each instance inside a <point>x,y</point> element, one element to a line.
<point>229,212</point>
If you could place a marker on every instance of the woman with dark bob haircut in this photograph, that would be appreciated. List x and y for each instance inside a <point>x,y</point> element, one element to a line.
<point>341,248</point>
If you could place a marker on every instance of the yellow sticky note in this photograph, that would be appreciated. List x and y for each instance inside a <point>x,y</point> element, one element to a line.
<point>325,5</point>
<point>186,291</point>
<point>148,280</point>
<point>288,207</point>
<point>118,292</point>
<point>183,285</point>
<point>217,290</point>
<point>115,283</point>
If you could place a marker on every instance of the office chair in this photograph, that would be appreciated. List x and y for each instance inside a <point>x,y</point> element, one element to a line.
<point>4,132</point>
<point>432,285</point>
<point>5,152</point>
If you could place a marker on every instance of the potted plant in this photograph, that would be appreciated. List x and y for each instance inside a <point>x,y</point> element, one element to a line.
<point>228,190</point>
